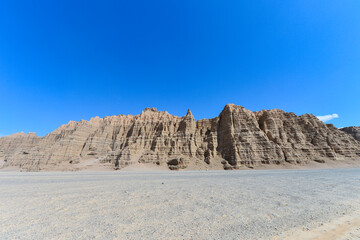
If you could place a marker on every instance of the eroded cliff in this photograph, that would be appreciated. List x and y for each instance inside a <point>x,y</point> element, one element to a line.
<point>237,137</point>
<point>353,131</point>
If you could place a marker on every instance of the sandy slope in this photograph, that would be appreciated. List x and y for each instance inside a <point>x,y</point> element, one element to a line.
<point>271,204</point>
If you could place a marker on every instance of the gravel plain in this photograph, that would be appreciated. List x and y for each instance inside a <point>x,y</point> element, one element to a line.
<point>254,204</point>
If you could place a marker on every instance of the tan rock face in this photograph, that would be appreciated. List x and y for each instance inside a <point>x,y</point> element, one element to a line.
<point>237,137</point>
<point>353,131</point>
<point>17,146</point>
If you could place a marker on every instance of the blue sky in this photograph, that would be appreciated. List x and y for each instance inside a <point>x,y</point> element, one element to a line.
<point>72,60</point>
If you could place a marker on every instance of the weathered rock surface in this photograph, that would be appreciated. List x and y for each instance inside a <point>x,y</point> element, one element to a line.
<point>17,146</point>
<point>353,131</point>
<point>237,137</point>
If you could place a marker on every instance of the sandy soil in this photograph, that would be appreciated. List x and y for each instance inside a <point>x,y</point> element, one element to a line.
<point>255,204</point>
<point>94,165</point>
<point>342,228</point>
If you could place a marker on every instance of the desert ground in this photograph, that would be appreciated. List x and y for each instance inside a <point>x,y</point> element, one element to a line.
<point>249,204</point>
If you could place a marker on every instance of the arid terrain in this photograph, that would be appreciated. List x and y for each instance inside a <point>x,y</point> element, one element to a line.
<point>260,204</point>
<point>236,139</point>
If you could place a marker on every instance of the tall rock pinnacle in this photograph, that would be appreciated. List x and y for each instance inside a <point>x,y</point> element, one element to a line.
<point>189,114</point>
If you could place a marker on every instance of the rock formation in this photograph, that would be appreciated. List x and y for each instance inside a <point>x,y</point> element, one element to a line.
<point>236,138</point>
<point>353,131</point>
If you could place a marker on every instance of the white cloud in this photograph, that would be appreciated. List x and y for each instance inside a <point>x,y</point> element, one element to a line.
<point>327,117</point>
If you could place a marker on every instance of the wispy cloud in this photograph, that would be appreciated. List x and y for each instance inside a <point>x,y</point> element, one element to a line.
<point>327,117</point>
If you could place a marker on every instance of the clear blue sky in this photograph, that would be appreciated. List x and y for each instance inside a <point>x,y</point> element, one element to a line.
<point>72,60</point>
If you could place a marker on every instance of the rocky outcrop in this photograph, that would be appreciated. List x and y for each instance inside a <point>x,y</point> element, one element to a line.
<point>236,138</point>
<point>353,131</point>
<point>17,146</point>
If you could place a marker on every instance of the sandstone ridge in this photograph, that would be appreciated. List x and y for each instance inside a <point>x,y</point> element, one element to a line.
<point>353,131</point>
<point>235,139</point>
